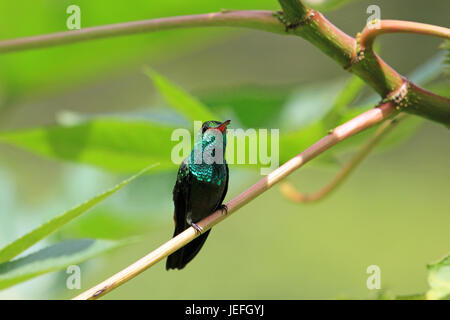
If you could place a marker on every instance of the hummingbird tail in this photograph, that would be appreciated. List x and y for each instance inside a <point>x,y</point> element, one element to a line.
<point>180,258</point>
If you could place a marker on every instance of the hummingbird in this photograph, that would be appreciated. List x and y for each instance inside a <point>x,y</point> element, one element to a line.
<point>201,186</point>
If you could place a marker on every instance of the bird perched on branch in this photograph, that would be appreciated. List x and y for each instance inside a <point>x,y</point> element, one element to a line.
<point>201,186</point>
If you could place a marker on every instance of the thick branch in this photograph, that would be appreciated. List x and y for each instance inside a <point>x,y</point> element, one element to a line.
<point>348,129</point>
<point>295,12</point>
<point>289,191</point>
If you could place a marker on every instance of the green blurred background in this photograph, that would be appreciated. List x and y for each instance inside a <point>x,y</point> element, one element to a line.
<point>393,212</point>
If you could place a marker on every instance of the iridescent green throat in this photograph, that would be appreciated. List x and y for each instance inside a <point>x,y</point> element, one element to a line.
<point>207,159</point>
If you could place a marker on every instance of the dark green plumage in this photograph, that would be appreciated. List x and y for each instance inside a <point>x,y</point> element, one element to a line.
<point>201,186</point>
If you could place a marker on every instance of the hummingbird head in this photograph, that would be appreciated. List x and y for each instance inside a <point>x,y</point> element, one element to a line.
<point>211,147</point>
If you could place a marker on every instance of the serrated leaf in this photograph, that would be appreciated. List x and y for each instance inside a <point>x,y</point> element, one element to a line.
<point>115,145</point>
<point>180,100</point>
<point>439,280</point>
<point>53,258</point>
<point>26,241</point>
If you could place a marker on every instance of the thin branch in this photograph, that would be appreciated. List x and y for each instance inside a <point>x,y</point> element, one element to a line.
<point>370,32</point>
<point>256,19</point>
<point>344,131</point>
<point>289,191</point>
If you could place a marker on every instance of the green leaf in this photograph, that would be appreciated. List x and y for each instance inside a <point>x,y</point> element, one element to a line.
<point>310,104</point>
<point>439,280</point>
<point>326,118</point>
<point>53,258</point>
<point>120,146</point>
<point>20,245</point>
<point>255,106</point>
<point>180,100</point>
<point>114,224</point>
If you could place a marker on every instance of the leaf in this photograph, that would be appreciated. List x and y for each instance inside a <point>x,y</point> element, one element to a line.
<point>114,224</point>
<point>20,245</point>
<point>53,258</point>
<point>310,104</point>
<point>256,106</point>
<point>439,280</point>
<point>120,146</point>
<point>329,114</point>
<point>180,100</point>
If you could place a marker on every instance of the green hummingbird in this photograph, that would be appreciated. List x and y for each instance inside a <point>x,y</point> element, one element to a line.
<point>201,186</point>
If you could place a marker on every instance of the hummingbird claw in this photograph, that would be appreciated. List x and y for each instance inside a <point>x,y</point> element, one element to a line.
<point>197,228</point>
<point>224,209</point>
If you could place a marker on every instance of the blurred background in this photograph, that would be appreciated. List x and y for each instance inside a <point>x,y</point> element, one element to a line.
<point>392,212</point>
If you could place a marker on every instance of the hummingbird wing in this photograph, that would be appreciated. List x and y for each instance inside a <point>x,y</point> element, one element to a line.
<point>180,199</point>
<point>192,248</point>
<point>181,196</point>
<point>226,187</point>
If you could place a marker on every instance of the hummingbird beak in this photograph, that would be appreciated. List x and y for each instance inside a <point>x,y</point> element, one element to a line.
<point>223,126</point>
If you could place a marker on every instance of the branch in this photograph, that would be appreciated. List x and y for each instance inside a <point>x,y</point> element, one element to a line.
<point>297,20</point>
<point>294,11</point>
<point>344,131</point>
<point>289,191</point>
<point>396,26</point>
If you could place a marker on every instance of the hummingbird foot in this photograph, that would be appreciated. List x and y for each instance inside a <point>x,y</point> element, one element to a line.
<point>197,228</point>
<point>224,209</point>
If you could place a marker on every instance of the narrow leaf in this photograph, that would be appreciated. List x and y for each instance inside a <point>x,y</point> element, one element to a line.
<point>20,245</point>
<point>53,258</point>
<point>439,280</point>
<point>117,145</point>
<point>180,100</point>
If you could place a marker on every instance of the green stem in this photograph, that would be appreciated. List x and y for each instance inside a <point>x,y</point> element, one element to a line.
<point>297,20</point>
<point>294,11</point>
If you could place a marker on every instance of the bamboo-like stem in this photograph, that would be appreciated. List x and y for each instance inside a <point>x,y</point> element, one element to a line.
<point>289,191</point>
<point>344,131</point>
<point>370,32</point>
